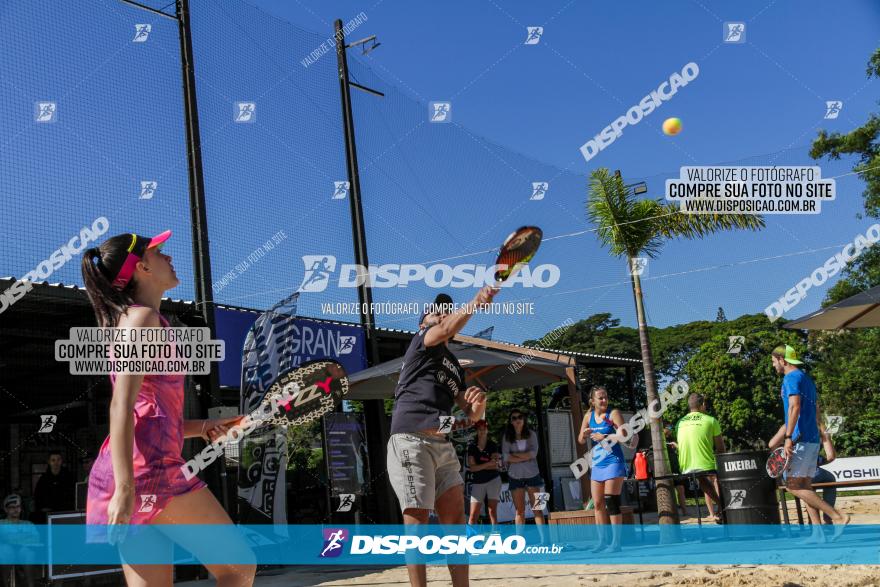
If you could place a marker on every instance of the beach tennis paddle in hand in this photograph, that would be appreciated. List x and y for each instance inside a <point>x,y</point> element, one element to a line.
<point>517,250</point>
<point>216,428</point>
<point>777,463</point>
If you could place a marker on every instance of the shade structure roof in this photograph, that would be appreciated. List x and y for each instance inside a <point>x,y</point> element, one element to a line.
<point>859,311</point>
<point>488,368</point>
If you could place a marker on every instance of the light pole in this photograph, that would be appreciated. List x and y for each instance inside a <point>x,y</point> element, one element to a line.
<point>640,187</point>
<point>374,410</point>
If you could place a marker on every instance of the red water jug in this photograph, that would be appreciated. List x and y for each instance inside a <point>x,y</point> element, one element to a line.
<point>641,466</point>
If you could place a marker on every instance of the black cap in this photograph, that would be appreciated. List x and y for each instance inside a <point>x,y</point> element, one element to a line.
<point>443,299</point>
<point>441,302</point>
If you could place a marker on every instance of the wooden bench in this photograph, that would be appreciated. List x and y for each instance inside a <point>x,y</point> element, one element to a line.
<point>783,490</point>
<point>564,525</point>
<point>588,516</point>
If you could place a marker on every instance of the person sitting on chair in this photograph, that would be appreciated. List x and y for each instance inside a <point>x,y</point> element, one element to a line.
<point>56,488</point>
<point>18,544</point>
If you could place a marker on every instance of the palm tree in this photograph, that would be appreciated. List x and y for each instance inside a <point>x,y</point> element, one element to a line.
<point>634,228</point>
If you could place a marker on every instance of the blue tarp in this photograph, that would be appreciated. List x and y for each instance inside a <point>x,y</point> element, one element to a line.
<point>393,545</point>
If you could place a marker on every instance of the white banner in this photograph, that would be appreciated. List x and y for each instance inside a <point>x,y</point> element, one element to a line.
<point>856,469</point>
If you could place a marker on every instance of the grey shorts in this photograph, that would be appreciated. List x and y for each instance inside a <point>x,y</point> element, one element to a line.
<point>491,489</point>
<point>804,460</point>
<point>421,468</point>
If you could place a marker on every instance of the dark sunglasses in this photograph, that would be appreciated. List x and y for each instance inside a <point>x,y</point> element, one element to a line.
<point>520,417</point>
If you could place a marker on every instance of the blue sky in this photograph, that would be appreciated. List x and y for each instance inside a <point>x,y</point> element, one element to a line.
<point>597,59</point>
<point>545,100</point>
<point>431,192</point>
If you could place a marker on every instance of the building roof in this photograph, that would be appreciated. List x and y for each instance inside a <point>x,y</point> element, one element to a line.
<point>60,291</point>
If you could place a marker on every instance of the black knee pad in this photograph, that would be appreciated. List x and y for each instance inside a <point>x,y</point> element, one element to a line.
<point>612,504</point>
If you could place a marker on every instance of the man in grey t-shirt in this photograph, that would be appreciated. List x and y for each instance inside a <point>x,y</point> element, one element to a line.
<point>423,467</point>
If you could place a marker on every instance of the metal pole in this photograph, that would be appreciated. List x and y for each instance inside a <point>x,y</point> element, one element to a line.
<point>204,297</point>
<point>544,457</point>
<point>374,410</point>
<point>577,417</point>
<point>359,238</point>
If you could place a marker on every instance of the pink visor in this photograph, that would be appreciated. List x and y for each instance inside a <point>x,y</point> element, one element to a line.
<point>136,251</point>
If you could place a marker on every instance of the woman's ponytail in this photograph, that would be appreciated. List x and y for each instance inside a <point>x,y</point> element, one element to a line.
<point>108,302</point>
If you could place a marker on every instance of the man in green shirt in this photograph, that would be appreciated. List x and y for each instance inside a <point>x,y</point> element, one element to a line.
<point>698,436</point>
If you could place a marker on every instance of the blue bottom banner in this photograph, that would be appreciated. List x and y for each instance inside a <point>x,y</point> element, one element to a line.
<point>437,544</point>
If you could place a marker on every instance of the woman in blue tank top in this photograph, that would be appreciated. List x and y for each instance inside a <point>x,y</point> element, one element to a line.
<point>608,467</point>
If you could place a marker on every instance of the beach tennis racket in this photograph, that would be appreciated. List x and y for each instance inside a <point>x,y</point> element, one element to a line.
<point>518,249</point>
<point>305,393</point>
<point>777,463</point>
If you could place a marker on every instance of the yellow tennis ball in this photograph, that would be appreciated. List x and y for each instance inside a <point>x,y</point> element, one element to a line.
<point>672,126</point>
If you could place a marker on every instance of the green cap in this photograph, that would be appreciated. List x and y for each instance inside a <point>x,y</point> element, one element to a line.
<point>788,353</point>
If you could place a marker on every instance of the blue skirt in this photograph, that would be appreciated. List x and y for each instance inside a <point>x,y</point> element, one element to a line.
<point>604,472</point>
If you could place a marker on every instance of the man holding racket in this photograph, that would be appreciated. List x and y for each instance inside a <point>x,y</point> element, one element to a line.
<point>423,467</point>
<point>800,402</point>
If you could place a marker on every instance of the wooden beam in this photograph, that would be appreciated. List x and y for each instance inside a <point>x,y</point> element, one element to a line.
<point>543,456</point>
<point>541,371</point>
<point>470,374</point>
<point>557,357</point>
<point>512,348</point>
<point>577,416</point>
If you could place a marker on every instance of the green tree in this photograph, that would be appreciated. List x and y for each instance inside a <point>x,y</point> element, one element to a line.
<point>864,142</point>
<point>847,373</point>
<point>720,317</point>
<point>847,370</point>
<point>742,390</point>
<point>602,334</point>
<point>304,452</point>
<point>631,228</point>
<point>673,346</point>
<point>860,274</point>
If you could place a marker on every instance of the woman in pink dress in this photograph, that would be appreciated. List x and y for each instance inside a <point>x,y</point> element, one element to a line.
<point>137,478</point>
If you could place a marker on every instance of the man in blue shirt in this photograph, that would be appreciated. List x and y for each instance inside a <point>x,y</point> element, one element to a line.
<point>802,438</point>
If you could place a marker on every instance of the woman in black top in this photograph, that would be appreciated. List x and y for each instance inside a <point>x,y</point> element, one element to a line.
<point>484,463</point>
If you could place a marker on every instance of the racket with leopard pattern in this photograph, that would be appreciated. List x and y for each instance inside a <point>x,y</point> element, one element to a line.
<point>304,393</point>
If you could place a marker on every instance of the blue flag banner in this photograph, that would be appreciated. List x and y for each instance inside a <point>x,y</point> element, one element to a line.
<point>305,339</point>
<point>26,543</point>
<point>485,333</point>
<point>275,341</point>
<point>263,455</point>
